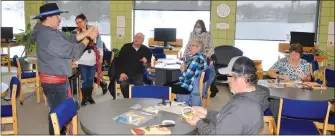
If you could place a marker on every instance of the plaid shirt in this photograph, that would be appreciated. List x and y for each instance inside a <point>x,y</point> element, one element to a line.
<point>194,67</point>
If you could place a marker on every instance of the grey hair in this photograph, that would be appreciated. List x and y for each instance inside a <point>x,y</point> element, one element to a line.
<point>197,40</point>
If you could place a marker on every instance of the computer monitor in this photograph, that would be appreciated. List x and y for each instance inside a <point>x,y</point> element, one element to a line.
<point>68,29</point>
<point>7,33</point>
<point>303,38</point>
<point>165,34</point>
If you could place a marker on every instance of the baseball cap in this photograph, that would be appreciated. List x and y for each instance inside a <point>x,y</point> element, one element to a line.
<point>240,65</point>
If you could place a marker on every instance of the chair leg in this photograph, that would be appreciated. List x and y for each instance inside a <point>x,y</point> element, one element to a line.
<point>15,127</point>
<point>80,94</point>
<point>95,86</point>
<point>21,94</point>
<point>38,94</point>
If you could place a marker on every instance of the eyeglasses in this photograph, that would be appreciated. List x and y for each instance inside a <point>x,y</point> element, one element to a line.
<point>193,45</point>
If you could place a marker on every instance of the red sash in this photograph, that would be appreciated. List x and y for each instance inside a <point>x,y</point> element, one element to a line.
<point>51,79</point>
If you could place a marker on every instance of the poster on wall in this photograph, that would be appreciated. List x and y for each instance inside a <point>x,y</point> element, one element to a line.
<point>330,41</point>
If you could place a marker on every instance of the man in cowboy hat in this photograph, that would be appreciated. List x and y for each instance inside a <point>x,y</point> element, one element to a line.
<point>55,50</point>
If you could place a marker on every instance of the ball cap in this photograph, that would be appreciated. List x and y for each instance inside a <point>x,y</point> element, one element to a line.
<point>240,65</point>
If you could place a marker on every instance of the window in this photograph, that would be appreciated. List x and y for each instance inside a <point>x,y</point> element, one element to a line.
<point>12,15</point>
<point>203,5</point>
<point>183,21</point>
<point>257,50</point>
<point>274,20</point>
<point>181,15</point>
<point>97,13</point>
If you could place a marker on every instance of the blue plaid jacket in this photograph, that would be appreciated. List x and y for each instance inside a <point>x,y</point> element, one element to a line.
<point>194,67</point>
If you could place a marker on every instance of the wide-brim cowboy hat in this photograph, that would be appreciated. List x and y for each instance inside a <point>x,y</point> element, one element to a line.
<point>49,9</point>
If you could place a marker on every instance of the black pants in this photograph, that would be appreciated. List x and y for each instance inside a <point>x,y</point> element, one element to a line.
<point>177,89</point>
<point>136,80</point>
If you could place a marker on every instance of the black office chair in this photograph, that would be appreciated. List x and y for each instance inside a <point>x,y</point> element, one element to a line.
<point>223,54</point>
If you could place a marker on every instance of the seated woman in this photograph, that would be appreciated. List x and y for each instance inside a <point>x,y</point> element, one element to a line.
<point>192,70</point>
<point>291,68</point>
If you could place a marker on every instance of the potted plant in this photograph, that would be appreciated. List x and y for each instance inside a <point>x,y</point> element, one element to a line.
<point>28,43</point>
<point>29,47</point>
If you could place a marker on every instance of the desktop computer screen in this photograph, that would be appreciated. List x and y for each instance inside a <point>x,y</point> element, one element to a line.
<point>165,34</point>
<point>303,38</point>
<point>7,33</point>
<point>68,29</point>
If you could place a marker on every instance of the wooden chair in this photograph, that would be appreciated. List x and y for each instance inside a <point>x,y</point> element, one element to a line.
<point>150,92</point>
<point>104,72</point>
<point>9,114</point>
<point>298,117</point>
<point>65,113</point>
<point>28,77</point>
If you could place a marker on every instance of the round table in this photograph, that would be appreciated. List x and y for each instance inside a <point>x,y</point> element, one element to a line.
<point>300,94</point>
<point>97,119</point>
<point>166,73</point>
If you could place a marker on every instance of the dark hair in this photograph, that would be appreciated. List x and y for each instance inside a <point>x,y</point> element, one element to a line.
<point>246,66</point>
<point>202,25</point>
<point>296,48</point>
<point>42,19</point>
<point>81,16</point>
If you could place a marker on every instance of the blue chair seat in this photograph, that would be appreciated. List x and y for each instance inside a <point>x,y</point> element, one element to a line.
<point>105,68</point>
<point>28,75</point>
<point>4,54</point>
<point>6,111</point>
<point>297,127</point>
<point>267,112</point>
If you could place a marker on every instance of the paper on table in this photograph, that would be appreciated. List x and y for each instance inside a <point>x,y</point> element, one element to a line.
<point>176,108</point>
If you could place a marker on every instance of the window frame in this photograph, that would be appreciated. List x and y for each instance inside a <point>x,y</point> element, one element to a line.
<point>134,15</point>
<point>316,26</point>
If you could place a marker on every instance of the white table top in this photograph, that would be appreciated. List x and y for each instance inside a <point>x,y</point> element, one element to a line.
<point>168,63</point>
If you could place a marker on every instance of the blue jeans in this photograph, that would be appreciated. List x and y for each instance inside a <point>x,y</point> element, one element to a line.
<point>56,94</point>
<point>87,75</point>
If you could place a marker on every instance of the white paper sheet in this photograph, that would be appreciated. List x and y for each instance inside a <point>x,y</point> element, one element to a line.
<point>121,20</point>
<point>331,28</point>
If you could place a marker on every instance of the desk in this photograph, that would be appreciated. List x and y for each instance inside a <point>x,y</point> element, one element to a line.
<point>286,46</point>
<point>97,119</point>
<point>9,45</point>
<point>166,73</point>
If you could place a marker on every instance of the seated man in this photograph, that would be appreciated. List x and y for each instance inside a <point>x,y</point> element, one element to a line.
<point>243,114</point>
<point>132,58</point>
<point>192,71</point>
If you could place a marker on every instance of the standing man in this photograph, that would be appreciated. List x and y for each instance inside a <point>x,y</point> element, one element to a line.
<point>55,50</point>
<point>132,58</point>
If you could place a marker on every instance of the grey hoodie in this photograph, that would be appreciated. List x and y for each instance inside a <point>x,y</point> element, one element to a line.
<point>243,114</point>
<point>55,49</point>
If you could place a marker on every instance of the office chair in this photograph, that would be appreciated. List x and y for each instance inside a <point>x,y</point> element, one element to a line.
<point>223,54</point>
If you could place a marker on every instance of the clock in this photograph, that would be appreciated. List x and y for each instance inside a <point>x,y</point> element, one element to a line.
<point>223,10</point>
